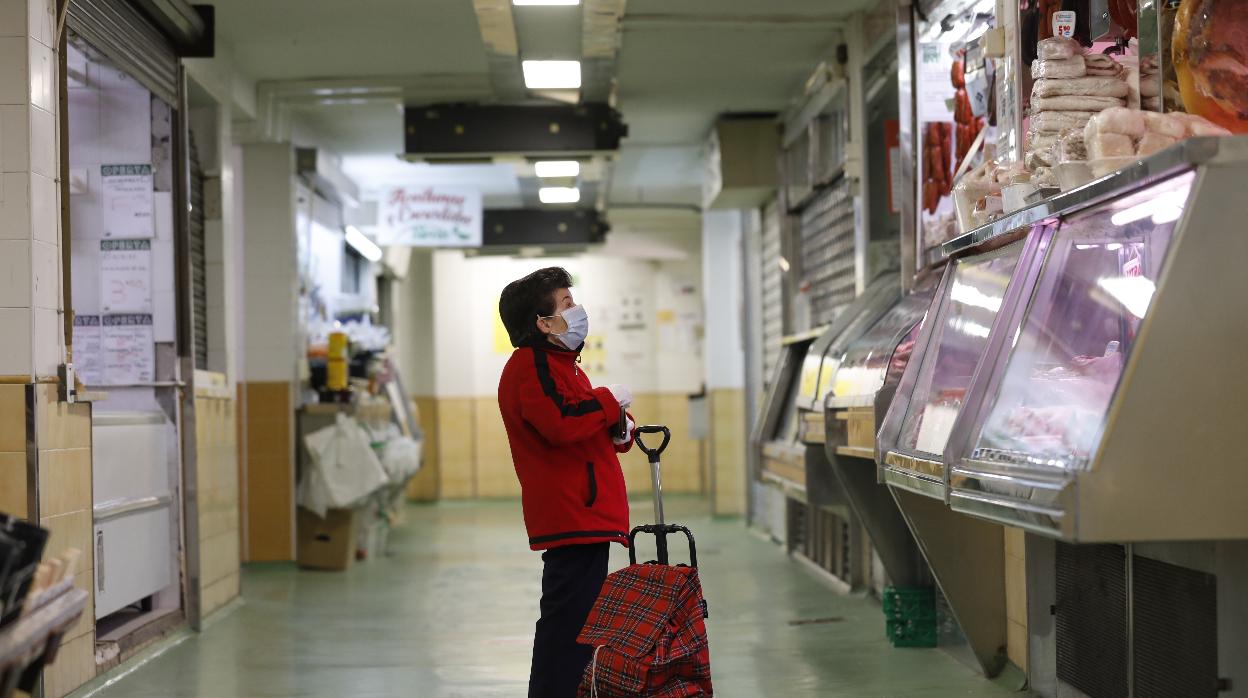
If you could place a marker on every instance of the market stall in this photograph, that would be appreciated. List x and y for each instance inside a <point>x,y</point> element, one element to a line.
<point>861,388</point>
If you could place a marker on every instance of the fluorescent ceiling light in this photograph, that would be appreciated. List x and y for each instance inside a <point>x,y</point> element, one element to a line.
<point>551,75</point>
<point>545,2</point>
<point>557,168</point>
<point>362,244</point>
<point>559,195</point>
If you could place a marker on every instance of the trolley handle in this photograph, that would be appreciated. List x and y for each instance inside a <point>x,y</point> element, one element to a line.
<point>661,531</point>
<point>653,453</point>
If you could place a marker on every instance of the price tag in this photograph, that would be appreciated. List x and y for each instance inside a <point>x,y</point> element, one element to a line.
<point>977,91</point>
<point>1064,23</point>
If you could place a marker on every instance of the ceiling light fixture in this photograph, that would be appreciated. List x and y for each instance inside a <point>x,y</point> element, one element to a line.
<point>545,2</point>
<point>557,168</point>
<point>559,195</point>
<point>367,248</point>
<point>552,75</point>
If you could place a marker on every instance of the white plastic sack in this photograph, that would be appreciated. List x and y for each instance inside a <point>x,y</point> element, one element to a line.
<point>343,468</point>
<point>401,458</point>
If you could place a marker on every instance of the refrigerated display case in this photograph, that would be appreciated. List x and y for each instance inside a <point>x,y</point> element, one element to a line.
<point>861,388</point>
<point>932,391</point>
<point>1102,413</point>
<point>781,455</point>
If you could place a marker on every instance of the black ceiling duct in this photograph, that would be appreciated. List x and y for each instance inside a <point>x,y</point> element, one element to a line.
<point>529,227</point>
<point>444,132</point>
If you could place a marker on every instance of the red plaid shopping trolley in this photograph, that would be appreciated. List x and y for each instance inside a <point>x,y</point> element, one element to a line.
<point>648,626</point>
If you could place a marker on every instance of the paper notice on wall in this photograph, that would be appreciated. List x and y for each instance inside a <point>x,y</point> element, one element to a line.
<point>936,91</point>
<point>88,358</point>
<point>126,192</point>
<point>126,276</point>
<point>129,349</point>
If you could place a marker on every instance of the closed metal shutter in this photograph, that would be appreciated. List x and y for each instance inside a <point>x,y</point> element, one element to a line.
<point>827,246</point>
<point>1092,619</point>
<point>1175,628</point>
<point>772,290</point>
<point>119,32</point>
<point>199,265</point>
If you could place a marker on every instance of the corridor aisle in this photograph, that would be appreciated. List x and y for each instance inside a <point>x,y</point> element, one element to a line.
<point>451,614</point>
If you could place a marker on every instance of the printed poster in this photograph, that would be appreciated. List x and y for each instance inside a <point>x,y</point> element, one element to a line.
<point>128,201</point>
<point>88,358</point>
<point>935,86</point>
<point>126,276</point>
<point>129,349</point>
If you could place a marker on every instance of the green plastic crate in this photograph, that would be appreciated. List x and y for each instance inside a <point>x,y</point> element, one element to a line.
<point>909,603</point>
<point>912,633</point>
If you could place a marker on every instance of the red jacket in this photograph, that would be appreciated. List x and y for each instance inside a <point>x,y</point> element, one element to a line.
<point>559,427</point>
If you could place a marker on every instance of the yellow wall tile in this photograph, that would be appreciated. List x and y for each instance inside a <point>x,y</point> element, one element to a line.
<point>496,473</point>
<point>74,666</point>
<point>218,594</point>
<point>728,444</point>
<point>12,418</point>
<point>457,462</point>
<point>72,530</point>
<point>219,558</point>
<point>270,473</point>
<point>84,580</point>
<point>1015,542</point>
<point>64,481</point>
<point>424,486</point>
<point>13,484</point>
<point>1016,644</point>
<point>62,425</point>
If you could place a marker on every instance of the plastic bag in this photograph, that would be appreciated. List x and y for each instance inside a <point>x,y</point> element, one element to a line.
<point>1058,47</point>
<point>1073,67</point>
<point>401,458</point>
<point>343,468</point>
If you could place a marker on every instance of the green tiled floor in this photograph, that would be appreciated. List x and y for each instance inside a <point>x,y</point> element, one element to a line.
<point>451,613</point>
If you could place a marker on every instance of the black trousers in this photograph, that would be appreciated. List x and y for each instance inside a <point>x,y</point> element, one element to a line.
<point>571,580</point>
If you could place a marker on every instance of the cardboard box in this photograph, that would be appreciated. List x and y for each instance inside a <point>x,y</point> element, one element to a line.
<point>328,543</point>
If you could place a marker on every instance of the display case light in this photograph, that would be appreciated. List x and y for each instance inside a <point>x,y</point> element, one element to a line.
<point>559,195</point>
<point>360,243</point>
<point>551,75</point>
<point>557,168</point>
<point>523,3</point>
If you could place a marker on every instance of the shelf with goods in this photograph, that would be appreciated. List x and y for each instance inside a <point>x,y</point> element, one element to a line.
<point>1080,423</point>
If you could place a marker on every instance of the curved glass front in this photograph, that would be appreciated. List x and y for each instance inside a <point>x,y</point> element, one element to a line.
<point>972,299</point>
<point>866,361</point>
<point>1083,318</point>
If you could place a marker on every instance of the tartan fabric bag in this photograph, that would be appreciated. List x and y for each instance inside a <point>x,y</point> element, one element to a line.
<point>648,635</point>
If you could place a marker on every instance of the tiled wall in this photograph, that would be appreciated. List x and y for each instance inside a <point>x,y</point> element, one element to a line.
<point>1016,596</point>
<point>268,470</point>
<point>13,449</point>
<point>216,440</point>
<point>30,344</point>
<point>65,504</point>
<point>467,454</point>
<point>424,486</point>
<point>727,452</point>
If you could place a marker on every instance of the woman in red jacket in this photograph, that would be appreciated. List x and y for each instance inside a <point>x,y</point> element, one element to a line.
<point>572,488</point>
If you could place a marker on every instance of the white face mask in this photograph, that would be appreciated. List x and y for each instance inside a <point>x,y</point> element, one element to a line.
<point>578,327</point>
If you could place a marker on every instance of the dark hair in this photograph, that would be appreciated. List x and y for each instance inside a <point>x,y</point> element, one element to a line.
<point>525,300</point>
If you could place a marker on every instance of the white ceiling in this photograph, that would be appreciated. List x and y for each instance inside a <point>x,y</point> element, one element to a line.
<point>681,63</point>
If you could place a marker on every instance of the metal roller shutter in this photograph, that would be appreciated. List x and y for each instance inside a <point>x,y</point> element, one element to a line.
<point>199,267</point>
<point>772,290</point>
<point>119,32</point>
<point>827,247</point>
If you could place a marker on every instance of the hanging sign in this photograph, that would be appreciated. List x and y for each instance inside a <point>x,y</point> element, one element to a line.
<point>430,216</point>
<point>126,276</point>
<point>127,200</point>
<point>129,349</point>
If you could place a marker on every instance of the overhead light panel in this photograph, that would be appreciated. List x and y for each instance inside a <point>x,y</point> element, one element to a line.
<point>360,242</point>
<point>552,75</point>
<point>545,2</point>
<point>559,195</point>
<point>557,168</point>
